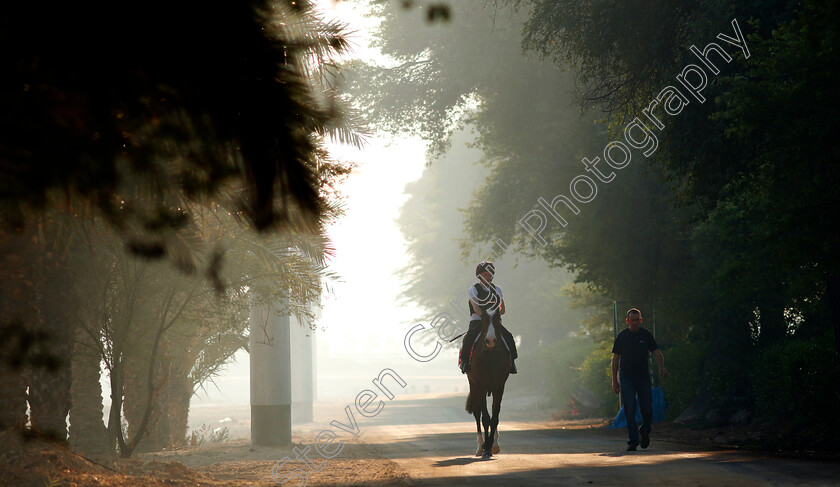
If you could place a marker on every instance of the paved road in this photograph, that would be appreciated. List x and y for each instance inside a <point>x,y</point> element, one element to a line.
<point>433,441</point>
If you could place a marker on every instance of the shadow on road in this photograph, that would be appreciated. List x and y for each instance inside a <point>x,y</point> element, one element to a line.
<point>646,453</point>
<point>459,461</point>
<point>521,441</point>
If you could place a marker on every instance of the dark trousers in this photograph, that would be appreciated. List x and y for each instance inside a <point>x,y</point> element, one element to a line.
<point>633,385</point>
<point>475,329</point>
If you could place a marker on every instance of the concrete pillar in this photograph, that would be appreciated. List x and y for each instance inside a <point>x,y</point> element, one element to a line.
<point>271,380</point>
<point>303,376</point>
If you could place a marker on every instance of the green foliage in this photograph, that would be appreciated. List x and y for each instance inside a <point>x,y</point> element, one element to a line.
<point>558,364</point>
<point>685,367</point>
<point>598,323</point>
<point>796,390</point>
<point>579,361</point>
<point>615,48</point>
<point>767,232</point>
<point>208,434</point>
<point>596,375</point>
<point>52,481</point>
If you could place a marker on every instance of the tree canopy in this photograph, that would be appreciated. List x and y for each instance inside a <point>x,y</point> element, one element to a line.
<point>723,228</point>
<point>139,108</point>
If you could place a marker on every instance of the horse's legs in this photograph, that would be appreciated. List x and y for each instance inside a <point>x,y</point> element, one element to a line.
<point>486,421</point>
<point>479,439</point>
<point>494,424</point>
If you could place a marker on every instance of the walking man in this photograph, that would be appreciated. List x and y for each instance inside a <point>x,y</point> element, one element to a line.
<point>630,356</point>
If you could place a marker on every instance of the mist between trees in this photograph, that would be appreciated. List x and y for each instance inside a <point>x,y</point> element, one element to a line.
<point>726,237</point>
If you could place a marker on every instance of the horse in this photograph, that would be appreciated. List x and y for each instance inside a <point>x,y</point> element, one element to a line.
<point>489,372</point>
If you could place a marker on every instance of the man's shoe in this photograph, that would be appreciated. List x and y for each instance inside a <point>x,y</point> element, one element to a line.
<point>513,368</point>
<point>645,441</point>
<point>631,448</point>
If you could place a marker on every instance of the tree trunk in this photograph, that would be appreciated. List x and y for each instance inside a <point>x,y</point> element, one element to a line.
<point>115,414</point>
<point>12,397</point>
<point>17,295</point>
<point>170,410</point>
<point>87,430</point>
<point>49,397</point>
<point>180,392</point>
<point>134,407</point>
<point>49,387</point>
<point>146,408</point>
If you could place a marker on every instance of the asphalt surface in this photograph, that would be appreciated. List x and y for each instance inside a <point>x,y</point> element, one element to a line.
<point>433,441</point>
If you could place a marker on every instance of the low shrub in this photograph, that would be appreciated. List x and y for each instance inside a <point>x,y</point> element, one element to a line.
<point>685,368</point>
<point>596,376</point>
<point>795,387</point>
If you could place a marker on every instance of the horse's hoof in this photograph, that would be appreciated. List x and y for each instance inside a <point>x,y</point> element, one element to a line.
<point>486,455</point>
<point>496,449</point>
<point>478,452</point>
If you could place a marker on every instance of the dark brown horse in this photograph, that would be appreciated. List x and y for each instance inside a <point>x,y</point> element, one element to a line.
<point>489,372</point>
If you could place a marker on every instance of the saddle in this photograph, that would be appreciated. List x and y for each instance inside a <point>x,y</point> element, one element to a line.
<point>472,346</point>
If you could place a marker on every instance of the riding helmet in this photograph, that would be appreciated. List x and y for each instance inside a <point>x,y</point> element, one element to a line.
<point>485,265</point>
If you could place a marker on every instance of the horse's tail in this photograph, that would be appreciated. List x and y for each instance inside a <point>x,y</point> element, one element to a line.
<point>473,402</point>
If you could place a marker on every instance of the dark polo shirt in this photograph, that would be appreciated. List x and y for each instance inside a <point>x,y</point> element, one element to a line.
<point>634,349</point>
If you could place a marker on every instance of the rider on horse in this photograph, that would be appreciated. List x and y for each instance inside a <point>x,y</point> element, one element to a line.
<point>485,297</point>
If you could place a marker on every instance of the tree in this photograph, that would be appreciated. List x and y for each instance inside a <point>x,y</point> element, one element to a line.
<point>782,197</point>
<point>221,97</point>
<point>222,105</point>
<point>162,333</point>
<point>735,190</point>
<point>618,50</point>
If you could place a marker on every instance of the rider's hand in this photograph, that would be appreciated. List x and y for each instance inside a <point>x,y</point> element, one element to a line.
<point>616,388</point>
<point>663,372</point>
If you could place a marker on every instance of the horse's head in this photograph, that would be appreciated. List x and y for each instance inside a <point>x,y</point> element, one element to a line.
<point>489,327</point>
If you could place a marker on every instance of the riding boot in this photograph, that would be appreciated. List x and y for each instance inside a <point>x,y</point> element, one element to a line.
<point>465,361</point>
<point>508,336</point>
<point>466,346</point>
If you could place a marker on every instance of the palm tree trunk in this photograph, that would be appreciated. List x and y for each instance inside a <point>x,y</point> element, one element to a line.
<point>179,392</point>
<point>134,407</point>
<point>17,295</point>
<point>87,429</point>
<point>49,386</point>
<point>12,396</point>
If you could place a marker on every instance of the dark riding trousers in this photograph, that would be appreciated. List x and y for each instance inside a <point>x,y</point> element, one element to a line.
<point>475,329</point>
